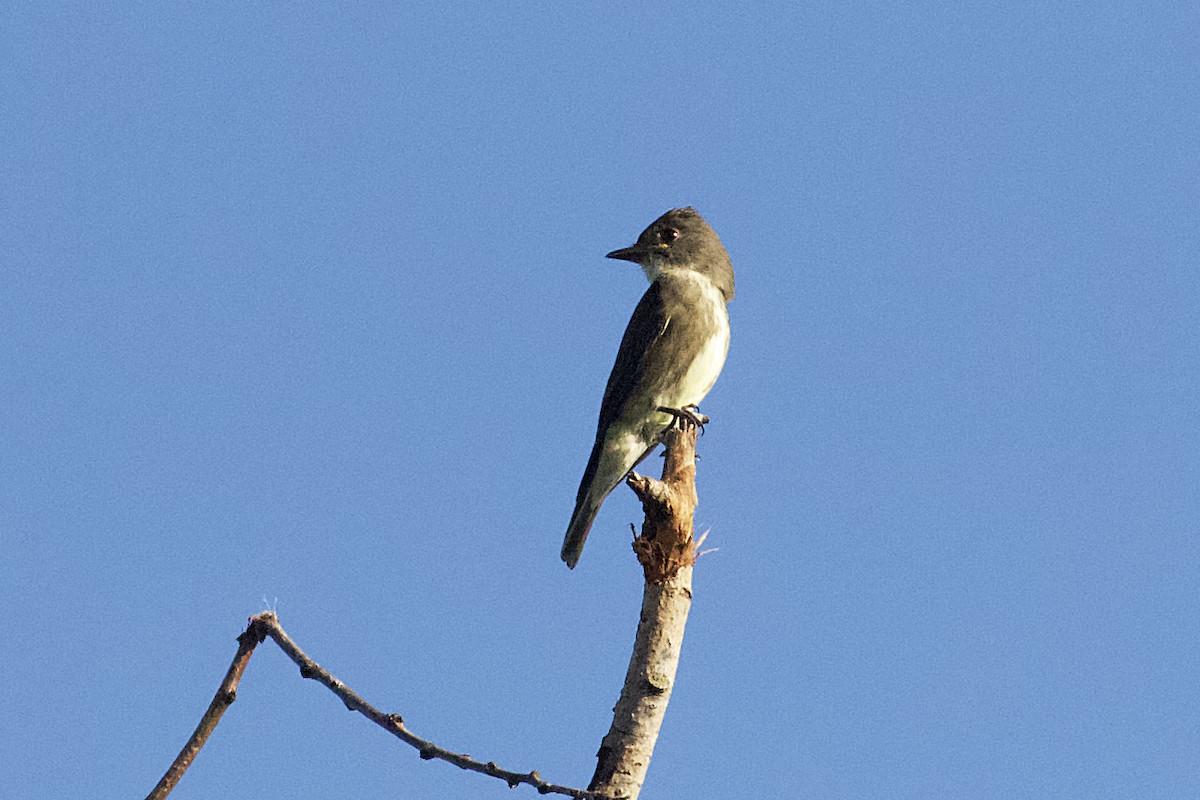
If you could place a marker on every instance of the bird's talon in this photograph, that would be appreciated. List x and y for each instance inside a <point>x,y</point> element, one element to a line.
<point>688,415</point>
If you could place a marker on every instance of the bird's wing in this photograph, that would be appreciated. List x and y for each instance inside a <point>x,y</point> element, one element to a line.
<point>647,325</point>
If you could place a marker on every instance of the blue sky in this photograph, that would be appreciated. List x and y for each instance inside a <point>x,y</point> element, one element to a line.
<point>307,307</point>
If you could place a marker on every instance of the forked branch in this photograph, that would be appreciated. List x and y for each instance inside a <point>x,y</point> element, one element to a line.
<point>666,551</point>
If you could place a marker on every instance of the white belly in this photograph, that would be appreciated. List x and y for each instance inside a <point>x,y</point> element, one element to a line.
<point>703,372</point>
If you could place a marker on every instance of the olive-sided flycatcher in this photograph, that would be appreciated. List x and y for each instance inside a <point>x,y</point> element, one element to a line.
<point>672,352</point>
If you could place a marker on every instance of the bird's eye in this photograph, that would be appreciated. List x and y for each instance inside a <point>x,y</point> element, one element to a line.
<point>667,236</point>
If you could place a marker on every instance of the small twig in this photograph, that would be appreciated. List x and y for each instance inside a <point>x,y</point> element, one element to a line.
<point>267,624</point>
<point>226,694</point>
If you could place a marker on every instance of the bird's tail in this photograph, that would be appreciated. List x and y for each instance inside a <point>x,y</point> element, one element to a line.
<point>605,470</point>
<point>577,532</point>
<point>592,491</point>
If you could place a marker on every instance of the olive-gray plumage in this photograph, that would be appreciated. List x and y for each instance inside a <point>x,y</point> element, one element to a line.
<point>671,354</point>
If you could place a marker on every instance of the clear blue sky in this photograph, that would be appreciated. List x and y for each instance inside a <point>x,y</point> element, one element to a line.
<point>306,305</point>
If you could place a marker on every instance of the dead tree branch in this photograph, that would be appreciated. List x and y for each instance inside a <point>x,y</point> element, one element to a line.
<point>667,552</point>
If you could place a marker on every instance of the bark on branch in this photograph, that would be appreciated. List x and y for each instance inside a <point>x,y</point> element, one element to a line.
<point>667,552</point>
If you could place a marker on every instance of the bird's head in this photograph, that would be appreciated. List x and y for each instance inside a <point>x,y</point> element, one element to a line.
<point>681,239</point>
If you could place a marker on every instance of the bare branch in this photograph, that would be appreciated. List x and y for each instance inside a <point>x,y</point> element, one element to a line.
<point>226,694</point>
<point>267,624</point>
<point>666,551</point>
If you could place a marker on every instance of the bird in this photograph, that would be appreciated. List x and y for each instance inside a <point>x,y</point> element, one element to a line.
<point>670,356</point>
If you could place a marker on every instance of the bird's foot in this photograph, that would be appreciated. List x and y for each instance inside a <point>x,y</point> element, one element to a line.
<point>684,417</point>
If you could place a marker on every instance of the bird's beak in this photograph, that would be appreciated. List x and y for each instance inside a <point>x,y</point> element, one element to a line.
<point>634,254</point>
